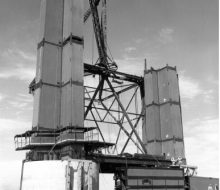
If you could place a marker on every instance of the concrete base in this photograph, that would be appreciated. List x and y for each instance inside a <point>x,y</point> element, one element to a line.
<point>60,175</point>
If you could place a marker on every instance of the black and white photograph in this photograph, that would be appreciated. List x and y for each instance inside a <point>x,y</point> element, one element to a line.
<point>109,95</point>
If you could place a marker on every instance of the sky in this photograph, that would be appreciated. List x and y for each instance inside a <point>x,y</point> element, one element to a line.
<point>175,32</point>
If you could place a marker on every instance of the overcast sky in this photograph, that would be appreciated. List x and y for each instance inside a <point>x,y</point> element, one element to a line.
<point>182,33</point>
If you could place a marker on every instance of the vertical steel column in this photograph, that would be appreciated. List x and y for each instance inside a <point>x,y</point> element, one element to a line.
<point>72,96</point>
<point>48,72</point>
<point>127,117</point>
<point>163,130</point>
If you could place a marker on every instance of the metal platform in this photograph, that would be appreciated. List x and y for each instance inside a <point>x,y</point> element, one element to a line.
<point>50,139</point>
<point>112,163</point>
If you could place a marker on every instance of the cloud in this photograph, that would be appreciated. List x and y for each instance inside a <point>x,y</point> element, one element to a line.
<point>191,88</point>
<point>12,126</point>
<point>19,72</point>
<point>201,144</point>
<point>166,35</point>
<point>17,53</point>
<point>135,64</point>
<point>18,64</point>
<point>130,49</point>
<point>2,97</point>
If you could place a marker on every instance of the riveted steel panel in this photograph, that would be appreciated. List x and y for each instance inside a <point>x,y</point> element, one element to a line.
<point>173,149</point>
<point>165,121</point>
<point>173,85</point>
<point>51,64</point>
<point>154,148</point>
<point>151,87</point>
<point>51,20</point>
<point>170,118</point>
<point>72,63</point>
<point>175,115</point>
<point>39,65</point>
<point>72,109</point>
<point>163,86</point>
<point>49,107</point>
<point>153,123</point>
<point>73,18</point>
<point>36,105</point>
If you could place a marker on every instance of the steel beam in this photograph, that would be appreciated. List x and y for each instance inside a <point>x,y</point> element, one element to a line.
<point>126,115</point>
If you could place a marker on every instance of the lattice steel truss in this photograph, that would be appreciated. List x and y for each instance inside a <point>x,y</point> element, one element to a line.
<point>112,85</point>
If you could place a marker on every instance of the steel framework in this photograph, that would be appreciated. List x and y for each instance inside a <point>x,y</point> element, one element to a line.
<point>96,103</point>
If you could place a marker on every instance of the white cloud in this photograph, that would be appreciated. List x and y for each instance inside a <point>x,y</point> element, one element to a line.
<point>11,126</point>
<point>2,97</point>
<point>130,49</point>
<point>20,72</point>
<point>166,35</point>
<point>19,64</point>
<point>135,64</point>
<point>19,54</point>
<point>201,144</point>
<point>191,88</point>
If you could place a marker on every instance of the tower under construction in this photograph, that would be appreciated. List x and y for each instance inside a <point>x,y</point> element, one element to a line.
<point>85,115</point>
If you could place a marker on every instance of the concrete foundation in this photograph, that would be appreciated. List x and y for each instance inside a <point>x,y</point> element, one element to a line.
<point>60,175</point>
